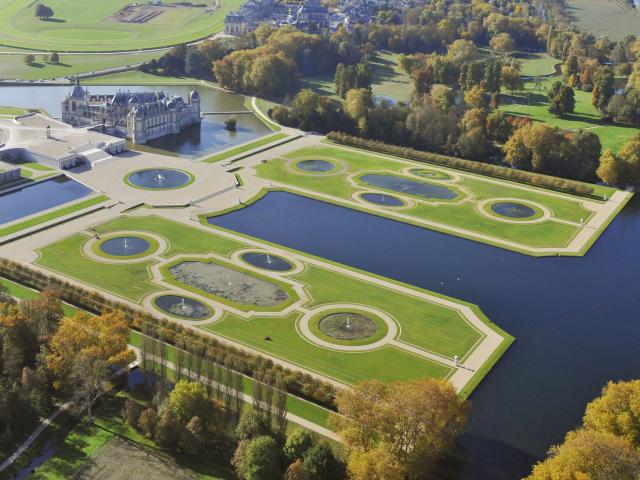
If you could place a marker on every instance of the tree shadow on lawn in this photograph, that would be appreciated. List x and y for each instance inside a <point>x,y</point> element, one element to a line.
<point>54,20</point>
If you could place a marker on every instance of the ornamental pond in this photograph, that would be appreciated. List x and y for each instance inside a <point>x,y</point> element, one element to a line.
<point>31,199</point>
<point>573,318</point>
<point>204,139</point>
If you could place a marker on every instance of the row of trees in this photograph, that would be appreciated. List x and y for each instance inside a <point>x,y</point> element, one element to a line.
<point>173,334</point>
<point>605,446</point>
<point>554,183</point>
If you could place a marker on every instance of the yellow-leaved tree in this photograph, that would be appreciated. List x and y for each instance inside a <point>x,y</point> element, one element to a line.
<point>414,422</point>
<point>84,351</point>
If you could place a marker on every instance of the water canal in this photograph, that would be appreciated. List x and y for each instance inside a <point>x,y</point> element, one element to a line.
<point>574,319</point>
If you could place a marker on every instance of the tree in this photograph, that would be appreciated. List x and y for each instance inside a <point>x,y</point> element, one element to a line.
<point>42,11</point>
<point>147,422</point>
<point>29,59</point>
<point>321,463</point>
<point>168,430</point>
<point>296,471</point>
<point>88,375</point>
<point>188,400</point>
<point>611,168</point>
<point>102,338</point>
<point>297,444</point>
<point>375,464</point>
<point>616,411</point>
<point>416,421</point>
<point>589,455</point>
<point>230,124</point>
<point>357,103</point>
<point>602,88</point>
<point>462,51</point>
<point>510,78</point>
<point>630,155</point>
<point>476,98</point>
<point>54,58</point>
<point>423,79</point>
<point>252,424</point>
<point>561,99</point>
<point>498,126</point>
<point>502,44</point>
<point>259,459</point>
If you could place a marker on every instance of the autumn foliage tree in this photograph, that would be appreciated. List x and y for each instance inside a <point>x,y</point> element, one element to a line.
<point>416,422</point>
<point>589,455</point>
<point>85,350</point>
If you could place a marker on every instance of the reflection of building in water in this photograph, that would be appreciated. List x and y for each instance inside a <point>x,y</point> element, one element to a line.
<point>254,12</point>
<point>138,116</point>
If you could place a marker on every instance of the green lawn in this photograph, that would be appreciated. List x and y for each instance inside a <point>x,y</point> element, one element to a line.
<point>388,80</point>
<point>533,103</point>
<point>465,214</point>
<point>47,217</point>
<point>604,17</point>
<point>83,26</point>
<point>245,148</point>
<point>537,64</point>
<point>425,324</point>
<point>12,111</point>
<point>13,66</point>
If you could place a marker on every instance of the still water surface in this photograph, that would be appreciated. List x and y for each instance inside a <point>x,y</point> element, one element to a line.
<point>575,320</point>
<point>208,137</point>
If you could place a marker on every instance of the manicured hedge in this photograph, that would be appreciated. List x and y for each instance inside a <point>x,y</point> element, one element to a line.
<point>554,183</point>
<point>242,361</point>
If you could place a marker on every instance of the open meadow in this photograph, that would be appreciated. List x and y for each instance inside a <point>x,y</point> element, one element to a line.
<point>100,25</point>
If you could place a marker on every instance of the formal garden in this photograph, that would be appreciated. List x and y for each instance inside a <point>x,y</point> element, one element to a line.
<point>343,324</point>
<point>508,214</point>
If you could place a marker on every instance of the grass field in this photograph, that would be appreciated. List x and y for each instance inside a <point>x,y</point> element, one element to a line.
<point>427,325</point>
<point>604,17</point>
<point>462,212</point>
<point>13,66</point>
<point>83,26</point>
<point>533,103</point>
<point>135,77</point>
<point>537,64</point>
<point>388,80</point>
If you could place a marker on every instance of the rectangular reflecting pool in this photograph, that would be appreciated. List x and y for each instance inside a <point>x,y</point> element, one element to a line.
<point>41,196</point>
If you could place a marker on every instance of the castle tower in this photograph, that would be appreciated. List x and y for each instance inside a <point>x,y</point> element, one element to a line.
<point>194,101</point>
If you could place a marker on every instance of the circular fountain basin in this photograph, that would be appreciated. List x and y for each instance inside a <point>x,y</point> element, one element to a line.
<point>513,210</point>
<point>182,307</point>
<point>382,199</point>
<point>267,261</point>
<point>125,246</point>
<point>159,178</point>
<point>348,326</point>
<point>316,166</point>
<point>432,174</point>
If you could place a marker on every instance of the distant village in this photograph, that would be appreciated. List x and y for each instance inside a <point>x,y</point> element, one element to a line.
<point>309,16</point>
